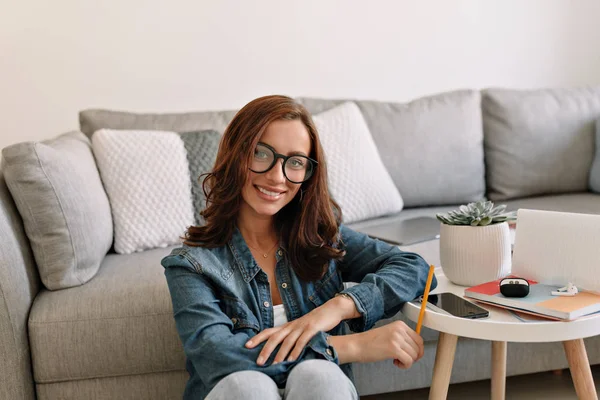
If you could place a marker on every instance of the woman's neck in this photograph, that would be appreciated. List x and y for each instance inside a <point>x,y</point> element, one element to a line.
<point>258,232</point>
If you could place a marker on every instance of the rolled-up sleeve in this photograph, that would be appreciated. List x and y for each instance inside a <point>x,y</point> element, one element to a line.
<point>210,343</point>
<point>387,277</point>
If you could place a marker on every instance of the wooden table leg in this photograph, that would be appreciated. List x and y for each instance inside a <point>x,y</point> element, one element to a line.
<point>580,369</point>
<point>498,370</point>
<point>444,358</point>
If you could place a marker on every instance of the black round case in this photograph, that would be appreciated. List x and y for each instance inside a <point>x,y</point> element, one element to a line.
<point>511,287</point>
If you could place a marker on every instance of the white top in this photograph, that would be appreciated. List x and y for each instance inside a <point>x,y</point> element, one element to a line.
<point>279,314</point>
<point>501,325</point>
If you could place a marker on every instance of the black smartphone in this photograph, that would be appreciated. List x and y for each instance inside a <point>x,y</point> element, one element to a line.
<point>452,304</point>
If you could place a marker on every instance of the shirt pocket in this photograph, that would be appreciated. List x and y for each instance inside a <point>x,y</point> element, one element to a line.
<point>327,287</point>
<point>240,315</point>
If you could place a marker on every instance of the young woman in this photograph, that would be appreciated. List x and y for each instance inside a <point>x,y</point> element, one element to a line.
<point>257,291</point>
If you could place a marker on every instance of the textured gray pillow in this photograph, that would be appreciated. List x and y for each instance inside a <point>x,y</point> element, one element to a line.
<point>432,147</point>
<point>539,141</point>
<point>92,120</point>
<point>595,171</point>
<point>201,150</point>
<point>57,189</point>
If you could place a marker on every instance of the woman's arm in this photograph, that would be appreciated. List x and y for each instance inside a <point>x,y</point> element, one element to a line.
<point>207,334</point>
<point>387,276</point>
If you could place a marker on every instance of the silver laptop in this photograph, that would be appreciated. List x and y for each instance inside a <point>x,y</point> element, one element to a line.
<point>405,232</point>
<point>556,248</point>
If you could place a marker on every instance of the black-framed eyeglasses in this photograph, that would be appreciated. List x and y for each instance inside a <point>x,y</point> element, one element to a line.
<point>296,168</point>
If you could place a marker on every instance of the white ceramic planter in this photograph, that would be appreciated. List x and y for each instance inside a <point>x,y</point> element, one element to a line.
<point>471,255</point>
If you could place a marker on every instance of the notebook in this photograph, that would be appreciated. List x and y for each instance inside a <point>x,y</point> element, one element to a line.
<point>539,301</point>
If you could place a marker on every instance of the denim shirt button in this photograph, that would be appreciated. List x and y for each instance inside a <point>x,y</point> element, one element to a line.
<point>266,304</point>
<point>234,320</point>
<point>284,285</point>
<point>328,351</point>
<point>279,253</point>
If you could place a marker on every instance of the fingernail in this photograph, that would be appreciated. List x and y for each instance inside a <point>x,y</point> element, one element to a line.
<point>275,362</point>
<point>290,359</point>
<point>249,343</point>
<point>260,360</point>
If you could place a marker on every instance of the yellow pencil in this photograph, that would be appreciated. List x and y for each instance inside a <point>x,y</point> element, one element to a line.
<point>425,296</point>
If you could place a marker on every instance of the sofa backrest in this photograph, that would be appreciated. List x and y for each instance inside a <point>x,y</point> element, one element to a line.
<point>449,148</point>
<point>539,141</point>
<point>19,284</point>
<point>93,119</point>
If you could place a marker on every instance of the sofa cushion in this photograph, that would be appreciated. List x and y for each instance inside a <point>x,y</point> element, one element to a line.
<point>595,171</point>
<point>358,180</point>
<point>94,119</point>
<point>119,323</point>
<point>432,147</point>
<point>65,211</point>
<point>539,141</point>
<point>145,171</point>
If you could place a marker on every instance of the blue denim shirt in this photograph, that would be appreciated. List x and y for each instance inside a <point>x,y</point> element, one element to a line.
<point>221,298</point>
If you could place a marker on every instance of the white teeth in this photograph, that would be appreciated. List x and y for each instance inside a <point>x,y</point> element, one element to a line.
<point>268,193</point>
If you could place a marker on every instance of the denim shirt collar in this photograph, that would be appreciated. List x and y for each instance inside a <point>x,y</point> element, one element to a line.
<point>244,258</point>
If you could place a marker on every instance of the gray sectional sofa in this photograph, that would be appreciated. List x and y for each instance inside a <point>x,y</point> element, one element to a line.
<point>114,335</point>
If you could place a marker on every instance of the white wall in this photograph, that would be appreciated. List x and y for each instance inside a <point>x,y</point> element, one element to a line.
<point>60,56</point>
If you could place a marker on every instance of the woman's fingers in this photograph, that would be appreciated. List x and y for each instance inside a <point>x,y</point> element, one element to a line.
<point>287,345</point>
<point>261,337</point>
<point>271,344</point>
<point>418,341</point>
<point>410,347</point>
<point>403,359</point>
<point>300,345</point>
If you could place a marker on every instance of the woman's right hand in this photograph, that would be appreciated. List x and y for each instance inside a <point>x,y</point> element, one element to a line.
<point>395,340</point>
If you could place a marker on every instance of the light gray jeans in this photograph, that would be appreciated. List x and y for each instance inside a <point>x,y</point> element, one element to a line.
<point>311,379</point>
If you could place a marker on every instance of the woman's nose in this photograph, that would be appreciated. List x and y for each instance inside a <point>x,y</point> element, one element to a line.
<point>275,174</point>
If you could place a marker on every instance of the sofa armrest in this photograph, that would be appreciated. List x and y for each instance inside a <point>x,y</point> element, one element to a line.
<point>19,284</point>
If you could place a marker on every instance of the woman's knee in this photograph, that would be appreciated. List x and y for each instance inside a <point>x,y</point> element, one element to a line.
<point>323,379</point>
<point>317,368</point>
<point>245,385</point>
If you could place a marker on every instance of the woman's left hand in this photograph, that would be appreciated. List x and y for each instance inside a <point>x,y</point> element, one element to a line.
<point>295,335</point>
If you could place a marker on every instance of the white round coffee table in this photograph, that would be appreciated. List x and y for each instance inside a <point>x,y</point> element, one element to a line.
<point>499,328</point>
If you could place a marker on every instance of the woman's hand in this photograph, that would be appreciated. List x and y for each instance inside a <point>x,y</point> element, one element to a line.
<point>295,335</point>
<point>395,340</point>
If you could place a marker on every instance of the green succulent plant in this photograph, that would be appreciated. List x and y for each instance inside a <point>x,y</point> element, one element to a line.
<point>480,213</point>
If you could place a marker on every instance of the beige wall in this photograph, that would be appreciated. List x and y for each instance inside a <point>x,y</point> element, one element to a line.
<point>58,57</point>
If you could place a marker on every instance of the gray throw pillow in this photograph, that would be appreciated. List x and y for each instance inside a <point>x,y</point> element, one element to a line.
<point>539,141</point>
<point>66,214</point>
<point>595,171</point>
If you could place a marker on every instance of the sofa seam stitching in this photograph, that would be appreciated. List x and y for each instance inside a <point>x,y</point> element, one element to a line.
<point>34,322</point>
<point>50,382</point>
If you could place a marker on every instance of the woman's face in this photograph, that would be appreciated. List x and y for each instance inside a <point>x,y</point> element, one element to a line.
<point>267,193</point>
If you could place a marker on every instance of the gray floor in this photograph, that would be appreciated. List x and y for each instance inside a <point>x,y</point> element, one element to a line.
<point>545,385</point>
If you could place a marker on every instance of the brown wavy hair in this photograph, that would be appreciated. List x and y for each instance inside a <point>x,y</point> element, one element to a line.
<point>307,226</point>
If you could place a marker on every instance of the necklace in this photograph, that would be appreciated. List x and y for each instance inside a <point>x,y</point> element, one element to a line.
<point>265,255</point>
